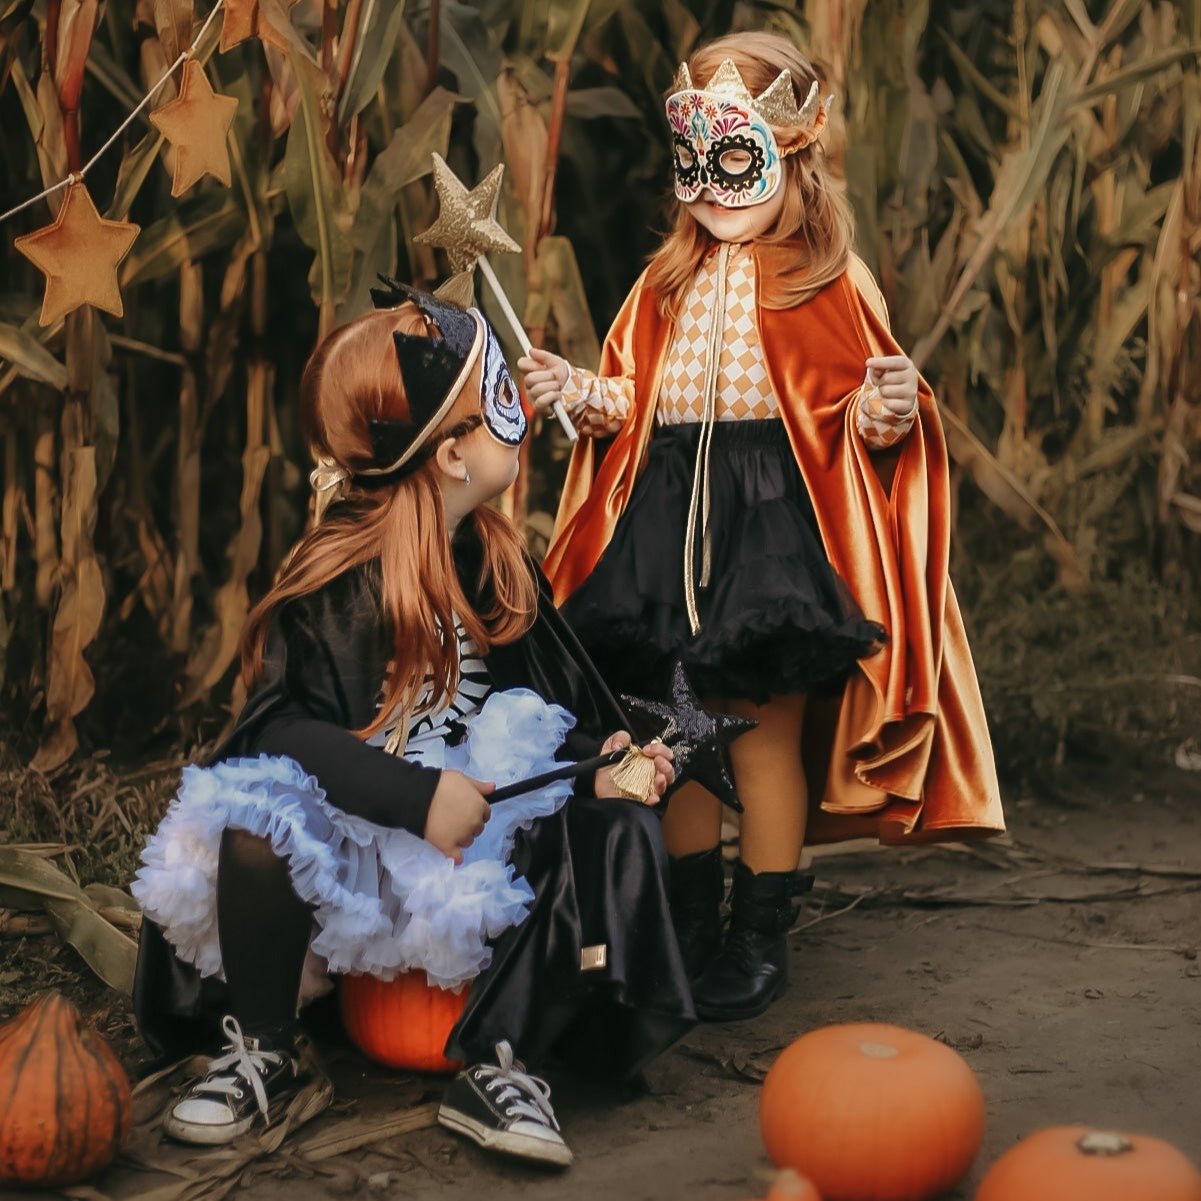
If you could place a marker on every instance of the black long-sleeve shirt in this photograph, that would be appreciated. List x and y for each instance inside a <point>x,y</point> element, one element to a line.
<point>325,662</point>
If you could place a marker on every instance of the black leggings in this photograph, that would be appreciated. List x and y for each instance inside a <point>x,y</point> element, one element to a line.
<point>264,929</point>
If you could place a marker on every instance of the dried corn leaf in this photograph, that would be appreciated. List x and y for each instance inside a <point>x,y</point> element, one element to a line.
<point>1020,176</point>
<point>77,619</point>
<point>524,135</point>
<point>45,539</point>
<point>1009,494</point>
<point>316,193</point>
<point>356,1133</point>
<point>193,228</point>
<point>173,21</point>
<point>407,157</point>
<point>232,602</point>
<point>76,25</point>
<point>34,883</point>
<point>564,289</point>
<point>374,46</point>
<point>31,359</point>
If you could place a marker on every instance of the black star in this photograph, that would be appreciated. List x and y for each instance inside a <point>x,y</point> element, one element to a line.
<point>700,739</point>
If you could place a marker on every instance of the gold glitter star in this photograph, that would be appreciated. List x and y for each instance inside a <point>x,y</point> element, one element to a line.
<point>466,227</point>
<point>78,252</point>
<point>196,123</point>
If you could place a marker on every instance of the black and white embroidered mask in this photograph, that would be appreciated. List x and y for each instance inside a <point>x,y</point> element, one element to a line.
<point>504,417</point>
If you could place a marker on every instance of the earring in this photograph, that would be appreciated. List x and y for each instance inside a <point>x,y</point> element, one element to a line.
<point>466,476</point>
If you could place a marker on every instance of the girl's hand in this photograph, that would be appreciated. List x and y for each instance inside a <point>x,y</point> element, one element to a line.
<point>896,377</point>
<point>665,772</point>
<point>545,376</point>
<point>457,813</point>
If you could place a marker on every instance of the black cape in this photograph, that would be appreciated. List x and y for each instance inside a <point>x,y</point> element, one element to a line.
<point>598,868</point>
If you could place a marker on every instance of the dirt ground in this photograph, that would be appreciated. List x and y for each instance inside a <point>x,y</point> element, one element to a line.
<point>1062,961</point>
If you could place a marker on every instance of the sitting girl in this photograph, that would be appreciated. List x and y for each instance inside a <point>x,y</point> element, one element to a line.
<point>407,659</point>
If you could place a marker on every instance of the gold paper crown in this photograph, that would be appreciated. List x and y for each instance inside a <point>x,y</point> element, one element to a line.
<point>776,104</point>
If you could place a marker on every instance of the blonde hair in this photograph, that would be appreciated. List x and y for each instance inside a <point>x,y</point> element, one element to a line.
<point>815,230</point>
<point>352,378</point>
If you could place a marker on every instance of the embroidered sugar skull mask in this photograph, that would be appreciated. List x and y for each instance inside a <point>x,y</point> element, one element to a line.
<point>722,144</point>
<point>722,136</point>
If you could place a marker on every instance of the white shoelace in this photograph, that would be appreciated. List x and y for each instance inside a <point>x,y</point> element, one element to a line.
<point>248,1064</point>
<point>529,1096</point>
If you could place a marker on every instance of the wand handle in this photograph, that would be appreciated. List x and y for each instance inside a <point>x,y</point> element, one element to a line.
<point>569,771</point>
<point>523,339</point>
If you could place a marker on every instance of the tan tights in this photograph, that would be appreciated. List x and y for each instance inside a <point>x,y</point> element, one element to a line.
<point>771,785</point>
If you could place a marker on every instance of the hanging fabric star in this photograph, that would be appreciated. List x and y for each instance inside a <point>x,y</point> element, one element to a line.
<point>79,253</point>
<point>197,124</point>
<point>467,227</point>
<point>699,739</point>
<point>244,19</point>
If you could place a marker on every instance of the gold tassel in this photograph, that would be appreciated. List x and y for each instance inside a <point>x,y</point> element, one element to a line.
<point>634,776</point>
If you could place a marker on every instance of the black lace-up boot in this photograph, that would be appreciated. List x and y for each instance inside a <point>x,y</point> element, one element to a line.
<point>697,883</point>
<point>751,969</point>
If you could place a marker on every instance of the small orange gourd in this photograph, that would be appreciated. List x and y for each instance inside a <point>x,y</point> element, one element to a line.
<point>870,1112</point>
<point>65,1101</point>
<point>1064,1163</point>
<point>403,1023</point>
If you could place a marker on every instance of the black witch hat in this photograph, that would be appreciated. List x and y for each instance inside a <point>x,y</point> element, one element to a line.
<point>433,370</point>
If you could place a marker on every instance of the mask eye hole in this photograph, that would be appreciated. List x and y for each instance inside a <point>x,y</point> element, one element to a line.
<point>686,164</point>
<point>736,161</point>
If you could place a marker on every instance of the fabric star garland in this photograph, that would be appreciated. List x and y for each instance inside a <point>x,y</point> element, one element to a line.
<point>79,253</point>
<point>197,124</point>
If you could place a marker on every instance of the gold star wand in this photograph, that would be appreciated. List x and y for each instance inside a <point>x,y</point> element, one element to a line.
<point>467,229</point>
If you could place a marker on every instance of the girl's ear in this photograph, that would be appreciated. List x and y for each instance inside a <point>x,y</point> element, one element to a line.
<point>448,456</point>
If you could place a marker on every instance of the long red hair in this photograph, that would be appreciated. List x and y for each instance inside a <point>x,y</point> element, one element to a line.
<point>815,230</point>
<point>352,378</point>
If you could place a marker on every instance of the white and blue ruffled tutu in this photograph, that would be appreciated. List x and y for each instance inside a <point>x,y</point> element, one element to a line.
<point>384,900</point>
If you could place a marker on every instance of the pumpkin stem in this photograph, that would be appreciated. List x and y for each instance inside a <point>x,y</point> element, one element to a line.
<point>879,1050</point>
<point>1104,1143</point>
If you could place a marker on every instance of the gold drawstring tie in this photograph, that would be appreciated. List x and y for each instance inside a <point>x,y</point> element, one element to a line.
<point>698,505</point>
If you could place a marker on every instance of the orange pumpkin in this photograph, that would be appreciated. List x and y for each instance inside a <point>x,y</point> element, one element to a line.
<point>1069,1162</point>
<point>65,1103</point>
<point>870,1112</point>
<point>403,1023</point>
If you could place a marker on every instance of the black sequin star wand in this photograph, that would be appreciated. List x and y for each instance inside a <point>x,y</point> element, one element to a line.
<point>699,739</point>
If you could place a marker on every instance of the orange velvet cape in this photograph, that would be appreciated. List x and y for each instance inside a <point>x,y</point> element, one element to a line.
<point>903,754</point>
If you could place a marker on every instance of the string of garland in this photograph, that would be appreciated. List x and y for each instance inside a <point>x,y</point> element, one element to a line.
<point>79,252</point>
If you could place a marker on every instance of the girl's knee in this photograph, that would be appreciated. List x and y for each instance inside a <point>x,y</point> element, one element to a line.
<point>248,850</point>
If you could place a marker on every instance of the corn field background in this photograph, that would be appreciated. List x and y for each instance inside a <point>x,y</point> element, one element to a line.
<point>1027,182</point>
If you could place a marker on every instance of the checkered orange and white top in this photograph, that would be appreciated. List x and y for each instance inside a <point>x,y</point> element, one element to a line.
<point>599,406</point>
<point>743,389</point>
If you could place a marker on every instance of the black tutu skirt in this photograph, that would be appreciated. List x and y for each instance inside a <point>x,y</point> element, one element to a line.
<point>775,618</point>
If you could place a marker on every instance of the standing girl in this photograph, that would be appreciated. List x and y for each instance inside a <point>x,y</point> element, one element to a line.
<point>407,659</point>
<point>765,494</point>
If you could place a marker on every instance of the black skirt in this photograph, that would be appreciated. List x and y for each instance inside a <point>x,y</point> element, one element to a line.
<point>775,618</point>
